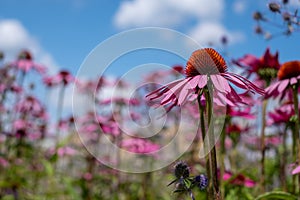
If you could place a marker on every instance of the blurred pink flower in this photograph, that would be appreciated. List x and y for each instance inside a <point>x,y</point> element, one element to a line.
<point>264,68</point>
<point>246,113</point>
<point>63,77</point>
<point>62,151</point>
<point>239,179</point>
<point>87,176</point>
<point>140,146</point>
<point>3,162</point>
<point>296,170</point>
<point>281,114</point>
<point>203,67</point>
<point>25,63</point>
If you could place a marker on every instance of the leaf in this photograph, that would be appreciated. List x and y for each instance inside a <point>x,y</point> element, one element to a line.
<point>276,195</point>
<point>172,182</point>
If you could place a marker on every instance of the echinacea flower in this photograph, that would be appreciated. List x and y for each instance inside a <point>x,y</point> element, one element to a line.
<point>282,115</point>
<point>63,77</point>
<point>239,179</point>
<point>288,75</point>
<point>205,66</point>
<point>139,146</point>
<point>264,68</point>
<point>25,63</point>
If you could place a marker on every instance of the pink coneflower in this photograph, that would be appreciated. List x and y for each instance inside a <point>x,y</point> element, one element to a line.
<point>264,68</point>
<point>239,179</point>
<point>205,66</point>
<point>140,146</point>
<point>25,63</point>
<point>63,77</point>
<point>288,75</point>
<point>282,114</point>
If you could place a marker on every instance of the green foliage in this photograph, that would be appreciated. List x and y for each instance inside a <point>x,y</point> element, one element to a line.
<point>276,195</point>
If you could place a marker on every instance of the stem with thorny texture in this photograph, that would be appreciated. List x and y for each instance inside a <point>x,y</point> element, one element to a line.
<point>296,132</point>
<point>263,147</point>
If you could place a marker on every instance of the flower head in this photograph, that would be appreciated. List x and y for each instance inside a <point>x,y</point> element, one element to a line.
<point>288,75</point>
<point>25,63</point>
<point>264,68</point>
<point>201,181</point>
<point>63,77</point>
<point>206,67</point>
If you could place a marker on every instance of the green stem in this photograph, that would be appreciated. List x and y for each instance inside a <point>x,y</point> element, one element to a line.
<point>212,153</point>
<point>59,111</point>
<point>263,148</point>
<point>283,161</point>
<point>223,154</point>
<point>203,133</point>
<point>296,132</point>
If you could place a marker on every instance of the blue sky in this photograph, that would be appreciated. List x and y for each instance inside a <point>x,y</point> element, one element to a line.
<point>61,33</point>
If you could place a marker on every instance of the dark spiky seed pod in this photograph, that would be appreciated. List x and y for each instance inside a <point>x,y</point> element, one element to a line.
<point>182,170</point>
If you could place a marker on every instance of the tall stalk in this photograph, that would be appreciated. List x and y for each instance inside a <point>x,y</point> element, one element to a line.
<point>211,158</point>
<point>203,134</point>
<point>59,111</point>
<point>263,147</point>
<point>296,132</point>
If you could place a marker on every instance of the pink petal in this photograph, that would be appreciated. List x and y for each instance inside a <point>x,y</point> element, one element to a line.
<point>293,81</point>
<point>283,84</point>
<point>194,81</point>
<point>220,83</point>
<point>296,170</point>
<point>203,81</point>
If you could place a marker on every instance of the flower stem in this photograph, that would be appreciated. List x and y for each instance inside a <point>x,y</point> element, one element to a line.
<point>213,155</point>
<point>296,132</point>
<point>59,111</point>
<point>283,161</point>
<point>223,154</point>
<point>203,133</point>
<point>262,143</point>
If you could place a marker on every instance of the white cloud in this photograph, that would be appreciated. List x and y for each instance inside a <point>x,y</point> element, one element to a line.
<point>212,32</point>
<point>239,6</point>
<point>294,3</point>
<point>206,14</point>
<point>14,37</point>
<point>138,13</point>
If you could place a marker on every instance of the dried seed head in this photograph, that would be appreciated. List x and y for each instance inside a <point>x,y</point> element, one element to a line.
<point>274,7</point>
<point>258,30</point>
<point>286,16</point>
<point>257,16</point>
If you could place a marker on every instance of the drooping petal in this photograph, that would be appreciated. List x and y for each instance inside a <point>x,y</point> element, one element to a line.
<point>202,81</point>
<point>282,86</point>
